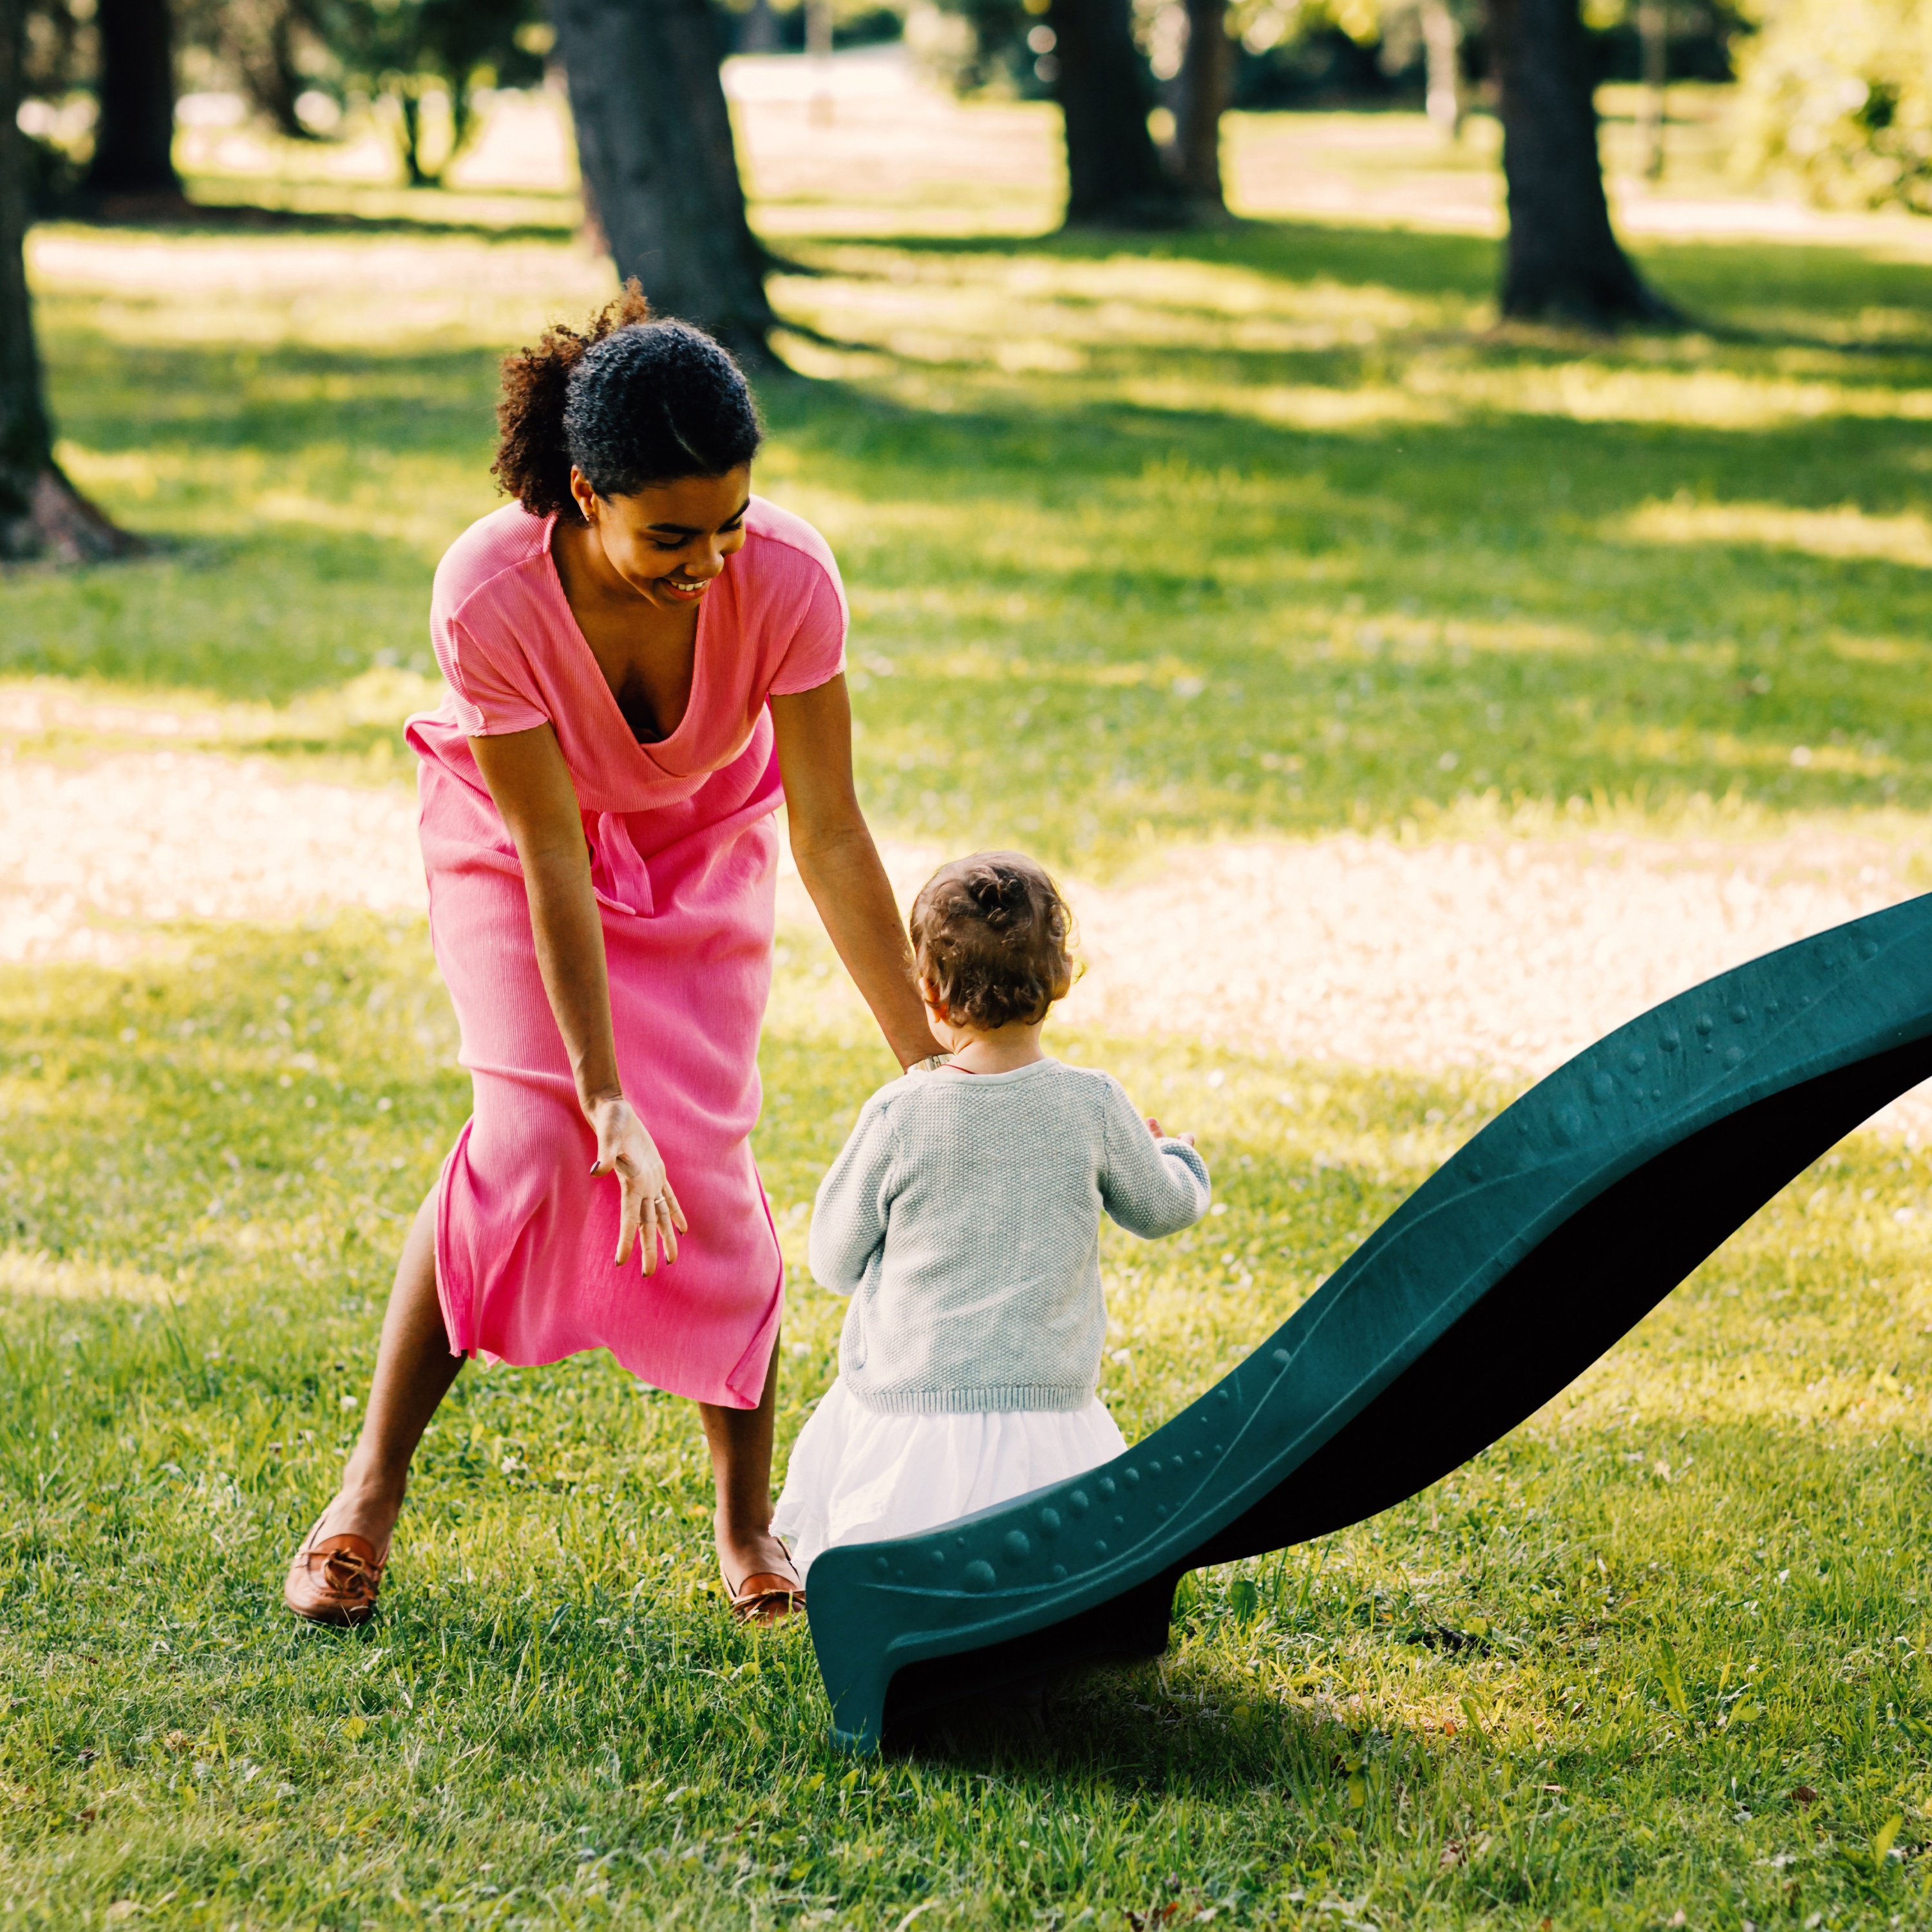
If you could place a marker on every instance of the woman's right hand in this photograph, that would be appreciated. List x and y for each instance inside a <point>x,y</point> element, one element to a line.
<point>647,1205</point>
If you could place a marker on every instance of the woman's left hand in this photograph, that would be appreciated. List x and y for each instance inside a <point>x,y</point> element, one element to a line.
<point>648,1204</point>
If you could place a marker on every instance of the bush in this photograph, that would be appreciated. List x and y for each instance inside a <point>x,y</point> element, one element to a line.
<point>1838,93</point>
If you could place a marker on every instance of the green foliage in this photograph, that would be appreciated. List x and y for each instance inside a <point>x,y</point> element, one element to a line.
<point>1666,1648</point>
<point>1838,94</point>
<point>400,50</point>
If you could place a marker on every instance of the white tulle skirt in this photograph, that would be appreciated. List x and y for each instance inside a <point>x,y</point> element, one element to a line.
<point>855,1476</point>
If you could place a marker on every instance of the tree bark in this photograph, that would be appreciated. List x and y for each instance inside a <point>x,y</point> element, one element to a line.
<point>1653,33</point>
<point>133,149</point>
<point>1562,263</point>
<point>654,143</point>
<point>260,40</point>
<point>1115,178</point>
<point>1201,90</point>
<point>40,512</point>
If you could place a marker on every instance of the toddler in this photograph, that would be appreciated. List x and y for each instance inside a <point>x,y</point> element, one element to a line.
<point>963,1218</point>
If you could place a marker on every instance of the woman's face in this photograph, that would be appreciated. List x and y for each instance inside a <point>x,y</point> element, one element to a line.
<point>669,542</point>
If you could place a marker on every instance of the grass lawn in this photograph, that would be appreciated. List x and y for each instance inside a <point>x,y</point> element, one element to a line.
<point>1264,533</point>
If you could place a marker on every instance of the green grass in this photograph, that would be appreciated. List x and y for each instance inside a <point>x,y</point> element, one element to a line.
<point>1579,1681</point>
<point>1259,532</point>
<point>1265,532</point>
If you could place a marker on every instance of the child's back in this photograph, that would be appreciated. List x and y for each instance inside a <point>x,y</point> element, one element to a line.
<point>963,1217</point>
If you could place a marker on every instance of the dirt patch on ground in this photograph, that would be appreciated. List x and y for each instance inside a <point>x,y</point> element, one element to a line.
<point>1504,954</point>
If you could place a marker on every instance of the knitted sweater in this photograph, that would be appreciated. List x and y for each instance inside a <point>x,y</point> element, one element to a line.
<point>963,1218</point>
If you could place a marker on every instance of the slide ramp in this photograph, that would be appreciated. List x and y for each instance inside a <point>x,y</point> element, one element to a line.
<point>1509,1271</point>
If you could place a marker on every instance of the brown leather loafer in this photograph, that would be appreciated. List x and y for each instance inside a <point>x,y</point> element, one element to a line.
<point>767,1597</point>
<point>335,1579</point>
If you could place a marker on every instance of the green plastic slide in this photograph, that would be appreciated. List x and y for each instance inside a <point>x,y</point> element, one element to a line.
<point>1502,1278</point>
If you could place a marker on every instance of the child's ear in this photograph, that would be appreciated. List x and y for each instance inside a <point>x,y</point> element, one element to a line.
<point>929,993</point>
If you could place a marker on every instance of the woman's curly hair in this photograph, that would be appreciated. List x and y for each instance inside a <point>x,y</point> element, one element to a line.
<point>992,938</point>
<point>629,400</point>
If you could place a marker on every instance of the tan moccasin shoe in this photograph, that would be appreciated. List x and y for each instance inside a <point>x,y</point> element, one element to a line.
<point>335,1579</point>
<point>767,1597</point>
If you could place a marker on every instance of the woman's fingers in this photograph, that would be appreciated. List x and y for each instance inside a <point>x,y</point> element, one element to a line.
<point>648,1210</point>
<point>630,1208</point>
<point>648,1231</point>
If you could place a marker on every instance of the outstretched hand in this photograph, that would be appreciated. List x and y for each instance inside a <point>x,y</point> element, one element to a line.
<point>647,1205</point>
<point>1160,1133</point>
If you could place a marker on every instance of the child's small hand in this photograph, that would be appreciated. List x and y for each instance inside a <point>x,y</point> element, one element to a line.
<point>1160,1133</point>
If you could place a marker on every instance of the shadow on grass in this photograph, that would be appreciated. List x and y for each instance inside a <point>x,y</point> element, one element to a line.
<point>1722,283</point>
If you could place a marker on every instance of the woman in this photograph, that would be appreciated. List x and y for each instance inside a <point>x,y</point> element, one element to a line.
<point>643,659</point>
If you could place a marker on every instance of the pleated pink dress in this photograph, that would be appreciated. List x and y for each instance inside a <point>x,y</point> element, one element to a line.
<point>684,853</point>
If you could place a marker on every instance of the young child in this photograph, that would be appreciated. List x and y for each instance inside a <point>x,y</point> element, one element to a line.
<point>963,1218</point>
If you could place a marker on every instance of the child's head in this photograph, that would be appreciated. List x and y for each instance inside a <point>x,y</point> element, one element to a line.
<point>990,935</point>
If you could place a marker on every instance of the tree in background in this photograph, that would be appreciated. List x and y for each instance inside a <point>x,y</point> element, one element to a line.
<point>134,137</point>
<point>1115,175</point>
<point>404,51</point>
<point>1562,263</point>
<point>41,513</point>
<point>654,143</point>
<point>271,48</point>
<point>1837,94</point>
<point>1203,86</point>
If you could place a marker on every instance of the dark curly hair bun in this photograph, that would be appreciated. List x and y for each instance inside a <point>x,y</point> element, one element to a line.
<point>992,936</point>
<point>629,400</point>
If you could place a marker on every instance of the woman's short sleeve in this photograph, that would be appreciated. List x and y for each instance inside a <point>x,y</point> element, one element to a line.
<point>816,653</point>
<point>489,699</point>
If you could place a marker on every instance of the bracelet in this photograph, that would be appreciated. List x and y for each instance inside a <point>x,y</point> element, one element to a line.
<point>931,1063</point>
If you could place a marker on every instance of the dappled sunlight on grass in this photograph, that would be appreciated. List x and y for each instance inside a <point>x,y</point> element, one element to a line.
<point>1847,531</point>
<point>1258,531</point>
<point>1687,1587</point>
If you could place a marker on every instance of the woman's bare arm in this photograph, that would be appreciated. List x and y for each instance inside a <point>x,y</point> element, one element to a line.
<point>528,779</point>
<point>840,864</point>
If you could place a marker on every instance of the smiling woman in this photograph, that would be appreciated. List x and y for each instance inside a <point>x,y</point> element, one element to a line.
<point>643,659</point>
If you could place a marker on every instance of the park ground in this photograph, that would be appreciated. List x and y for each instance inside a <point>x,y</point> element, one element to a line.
<point>1407,700</point>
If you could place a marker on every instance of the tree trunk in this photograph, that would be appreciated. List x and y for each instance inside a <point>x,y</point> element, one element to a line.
<point>1563,263</point>
<point>40,512</point>
<point>133,149</point>
<point>261,42</point>
<point>1114,178</point>
<point>654,143</point>
<point>1653,33</point>
<point>409,136</point>
<point>1201,90</point>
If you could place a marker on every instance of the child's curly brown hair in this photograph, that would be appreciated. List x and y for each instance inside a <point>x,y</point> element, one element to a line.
<point>628,399</point>
<point>991,936</point>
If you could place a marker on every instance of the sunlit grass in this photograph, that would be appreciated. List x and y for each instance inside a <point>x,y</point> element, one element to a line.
<point>1266,531</point>
<point>1256,532</point>
<point>1580,1679</point>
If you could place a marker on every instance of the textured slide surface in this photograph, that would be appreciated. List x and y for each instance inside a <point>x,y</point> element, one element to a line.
<point>1502,1278</point>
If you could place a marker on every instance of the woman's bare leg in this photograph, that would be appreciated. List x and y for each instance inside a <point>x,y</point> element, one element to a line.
<point>414,1370</point>
<point>740,1442</point>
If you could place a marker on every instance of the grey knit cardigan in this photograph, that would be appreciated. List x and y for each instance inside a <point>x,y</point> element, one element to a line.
<point>963,1218</point>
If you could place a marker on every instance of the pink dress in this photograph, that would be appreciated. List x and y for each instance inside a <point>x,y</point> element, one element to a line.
<point>684,850</point>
